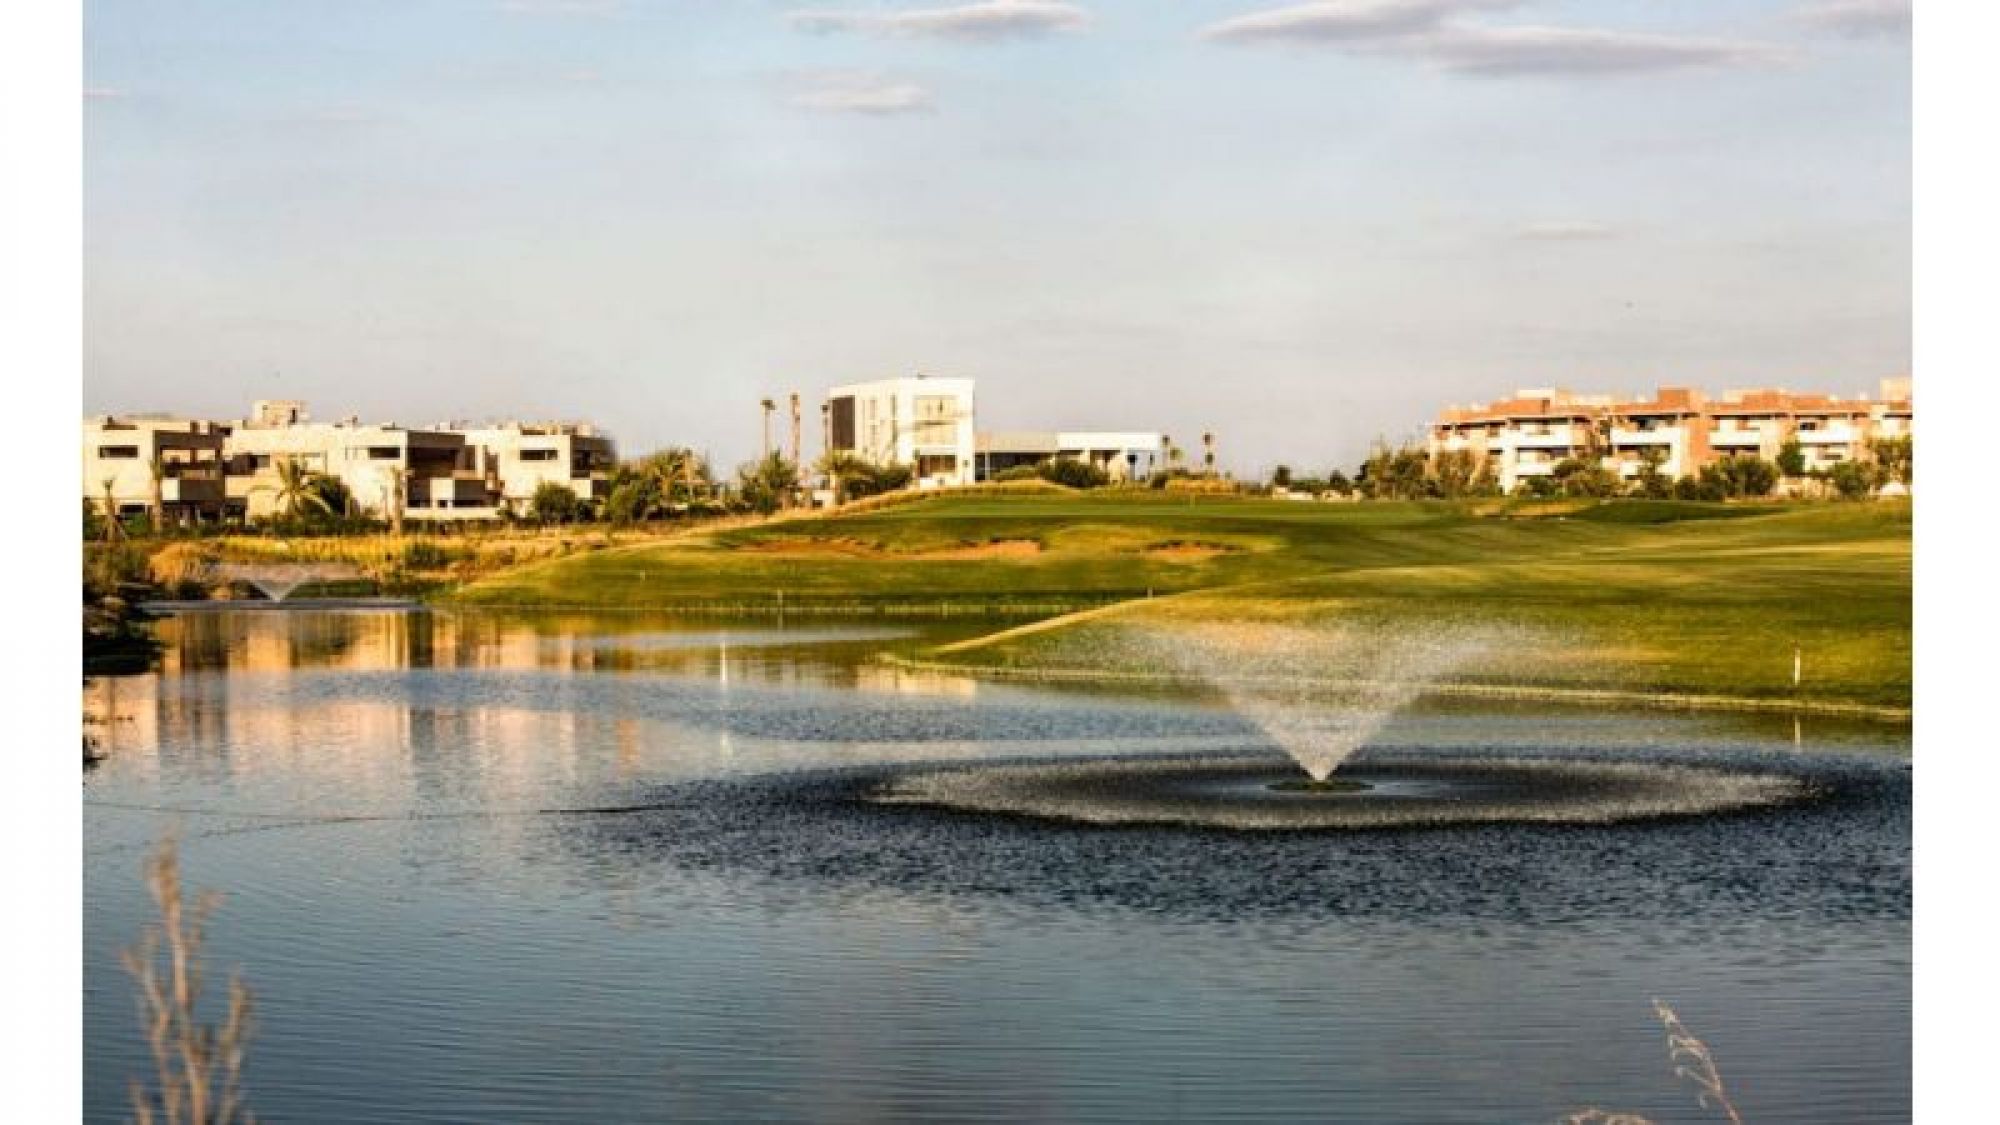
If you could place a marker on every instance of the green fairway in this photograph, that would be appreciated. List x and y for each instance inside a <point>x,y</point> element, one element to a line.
<point>1622,596</point>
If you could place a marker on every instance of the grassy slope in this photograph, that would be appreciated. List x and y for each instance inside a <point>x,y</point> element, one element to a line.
<point>1626,596</point>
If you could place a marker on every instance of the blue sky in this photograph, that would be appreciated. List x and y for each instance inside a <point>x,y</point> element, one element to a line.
<point>1300,226</point>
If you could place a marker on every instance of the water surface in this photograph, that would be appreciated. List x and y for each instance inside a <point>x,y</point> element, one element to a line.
<point>488,868</point>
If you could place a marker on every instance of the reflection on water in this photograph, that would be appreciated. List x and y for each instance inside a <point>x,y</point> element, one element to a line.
<point>412,815</point>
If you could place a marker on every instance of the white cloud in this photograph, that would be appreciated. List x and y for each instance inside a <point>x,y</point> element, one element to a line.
<point>1575,51</point>
<point>1344,21</point>
<point>869,94</point>
<point>986,20</point>
<point>1433,31</point>
<point>1857,18</point>
<point>1565,231</point>
<point>101,93</point>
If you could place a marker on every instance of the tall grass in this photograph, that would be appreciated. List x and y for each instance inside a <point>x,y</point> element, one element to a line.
<point>1692,1062</point>
<point>197,1066</point>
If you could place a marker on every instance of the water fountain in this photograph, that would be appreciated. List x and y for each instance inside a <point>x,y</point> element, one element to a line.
<point>278,581</point>
<point>1318,693</point>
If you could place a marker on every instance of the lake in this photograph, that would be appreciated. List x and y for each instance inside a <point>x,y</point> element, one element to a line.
<point>571,868</point>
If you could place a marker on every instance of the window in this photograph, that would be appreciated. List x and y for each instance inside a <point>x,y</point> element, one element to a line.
<point>538,455</point>
<point>118,452</point>
<point>384,452</point>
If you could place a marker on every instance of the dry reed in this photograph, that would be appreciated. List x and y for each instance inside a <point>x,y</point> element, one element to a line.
<point>198,1067</point>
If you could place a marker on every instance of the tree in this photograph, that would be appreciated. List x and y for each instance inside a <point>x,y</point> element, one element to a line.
<point>554,502</point>
<point>1454,472</point>
<point>399,492</point>
<point>1208,452</point>
<point>1895,457</point>
<point>1651,483</point>
<point>1792,459</point>
<point>113,530</point>
<point>681,474</point>
<point>1707,489</point>
<point>333,496</point>
<point>767,485</point>
<point>1337,481</point>
<point>93,523</point>
<point>297,494</point>
<point>1281,477</point>
<point>1742,476</point>
<point>1577,477</point>
<point>1396,474</point>
<point>1851,479</point>
<point>156,499</point>
<point>633,497</point>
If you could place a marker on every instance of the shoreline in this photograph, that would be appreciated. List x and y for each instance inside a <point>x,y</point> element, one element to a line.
<point>1666,701</point>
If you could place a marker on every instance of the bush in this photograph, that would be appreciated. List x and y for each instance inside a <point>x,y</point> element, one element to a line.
<point>1742,476</point>
<point>108,566</point>
<point>1851,479</point>
<point>1704,490</point>
<point>1074,474</point>
<point>555,503</point>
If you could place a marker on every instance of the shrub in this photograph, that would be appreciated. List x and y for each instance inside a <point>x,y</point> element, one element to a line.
<point>1792,459</point>
<point>1074,473</point>
<point>1852,480</point>
<point>555,503</point>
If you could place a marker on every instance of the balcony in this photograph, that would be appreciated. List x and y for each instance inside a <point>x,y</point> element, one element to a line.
<point>1842,434</point>
<point>1565,437</point>
<point>1737,439</point>
<point>1633,436</point>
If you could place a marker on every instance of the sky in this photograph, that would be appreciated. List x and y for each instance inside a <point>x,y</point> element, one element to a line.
<point>1303,227</point>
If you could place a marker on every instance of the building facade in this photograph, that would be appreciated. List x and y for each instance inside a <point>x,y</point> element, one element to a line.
<point>1123,456</point>
<point>1679,430</point>
<point>218,470</point>
<point>521,457</point>
<point>136,462</point>
<point>921,422</point>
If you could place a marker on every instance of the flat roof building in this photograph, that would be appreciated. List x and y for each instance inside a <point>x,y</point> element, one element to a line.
<point>918,421</point>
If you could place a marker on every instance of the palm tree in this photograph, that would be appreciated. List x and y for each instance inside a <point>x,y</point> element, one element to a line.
<point>157,495</point>
<point>1208,451</point>
<point>297,488</point>
<point>112,528</point>
<point>399,482</point>
<point>769,405</point>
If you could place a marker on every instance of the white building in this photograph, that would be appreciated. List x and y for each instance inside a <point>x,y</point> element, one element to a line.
<point>523,456</point>
<point>428,474</point>
<point>139,460</point>
<point>1122,455</point>
<point>921,422</point>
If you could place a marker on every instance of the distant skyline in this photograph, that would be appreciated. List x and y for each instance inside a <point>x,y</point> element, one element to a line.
<point>1299,226</point>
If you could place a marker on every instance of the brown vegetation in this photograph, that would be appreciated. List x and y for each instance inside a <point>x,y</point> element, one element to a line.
<point>198,1067</point>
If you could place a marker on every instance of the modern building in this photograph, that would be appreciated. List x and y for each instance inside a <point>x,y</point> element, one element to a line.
<point>1122,456</point>
<point>216,470</point>
<point>1680,429</point>
<point>523,456</point>
<point>142,459</point>
<point>919,421</point>
<point>427,474</point>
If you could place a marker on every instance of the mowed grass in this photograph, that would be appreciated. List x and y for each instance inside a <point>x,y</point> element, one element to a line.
<point>1627,596</point>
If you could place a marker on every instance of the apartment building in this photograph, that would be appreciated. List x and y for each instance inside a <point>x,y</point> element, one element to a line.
<point>1128,455</point>
<point>919,421</point>
<point>426,474</point>
<point>141,459</point>
<point>217,470</point>
<point>1679,428</point>
<point>521,457</point>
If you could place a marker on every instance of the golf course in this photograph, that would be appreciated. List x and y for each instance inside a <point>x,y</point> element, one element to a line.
<point>1701,604</point>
